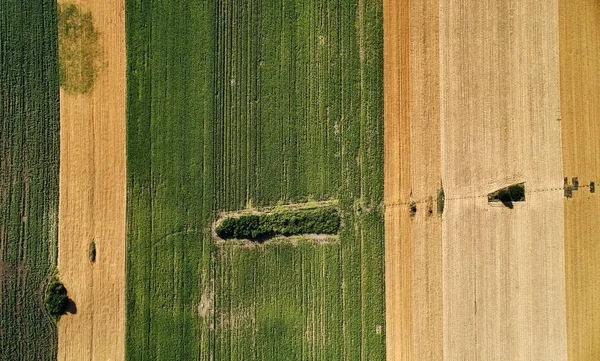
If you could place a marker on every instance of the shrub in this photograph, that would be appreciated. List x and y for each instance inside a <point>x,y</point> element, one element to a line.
<point>517,192</point>
<point>441,199</point>
<point>504,196</point>
<point>56,299</point>
<point>93,251</point>
<point>413,208</point>
<point>259,227</point>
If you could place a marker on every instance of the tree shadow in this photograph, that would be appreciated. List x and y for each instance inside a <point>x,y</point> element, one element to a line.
<point>507,203</point>
<point>71,307</point>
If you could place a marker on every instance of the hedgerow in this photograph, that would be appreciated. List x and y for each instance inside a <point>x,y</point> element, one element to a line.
<point>261,226</point>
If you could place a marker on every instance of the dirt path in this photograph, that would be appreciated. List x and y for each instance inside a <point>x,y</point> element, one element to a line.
<point>503,270</point>
<point>580,102</point>
<point>92,199</point>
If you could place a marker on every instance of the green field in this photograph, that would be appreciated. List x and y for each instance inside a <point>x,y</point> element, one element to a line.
<point>240,103</point>
<point>29,155</point>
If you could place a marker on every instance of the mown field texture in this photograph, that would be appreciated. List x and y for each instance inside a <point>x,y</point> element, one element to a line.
<point>28,176</point>
<point>580,105</point>
<point>240,103</point>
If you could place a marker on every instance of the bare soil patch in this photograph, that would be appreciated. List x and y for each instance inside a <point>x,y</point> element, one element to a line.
<point>92,197</point>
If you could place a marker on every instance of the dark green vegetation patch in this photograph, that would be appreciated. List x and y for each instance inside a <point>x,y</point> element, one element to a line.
<point>237,103</point>
<point>29,154</point>
<point>56,299</point>
<point>79,49</point>
<point>441,200</point>
<point>508,195</point>
<point>92,251</point>
<point>263,226</point>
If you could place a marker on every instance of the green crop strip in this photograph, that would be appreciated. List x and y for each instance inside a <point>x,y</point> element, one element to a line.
<point>254,102</point>
<point>29,156</point>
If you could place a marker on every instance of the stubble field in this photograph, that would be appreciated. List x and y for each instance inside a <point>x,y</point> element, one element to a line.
<point>580,91</point>
<point>481,281</point>
<point>93,187</point>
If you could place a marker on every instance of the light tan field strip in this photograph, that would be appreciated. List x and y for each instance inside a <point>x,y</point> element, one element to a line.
<point>92,199</point>
<point>476,107</point>
<point>504,294</point>
<point>580,102</point>
<point>425,181</point>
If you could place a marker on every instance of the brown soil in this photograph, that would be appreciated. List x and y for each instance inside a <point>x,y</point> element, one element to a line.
<point>580,102</point>
<point>92,199</point>
<point>412,173</point>
<point>398,236</point>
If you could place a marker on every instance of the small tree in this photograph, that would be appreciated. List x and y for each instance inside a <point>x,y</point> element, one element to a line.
<point>517,192</point>
<point>56,299</point>
<point>93,251</point>
<point>413,208</point>
<point>441,199</point>
<point>504,196</point>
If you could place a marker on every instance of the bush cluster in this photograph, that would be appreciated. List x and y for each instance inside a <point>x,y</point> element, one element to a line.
<point>257,227</point>
<point>513,193</point>
<point>56,299</point>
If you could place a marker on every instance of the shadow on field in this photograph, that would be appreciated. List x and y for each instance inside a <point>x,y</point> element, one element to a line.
<point>71,307</point>
<point>507,203</point>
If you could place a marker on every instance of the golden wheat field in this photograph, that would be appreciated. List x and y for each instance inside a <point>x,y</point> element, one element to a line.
<point>92,197</point>
<point>479,96</point>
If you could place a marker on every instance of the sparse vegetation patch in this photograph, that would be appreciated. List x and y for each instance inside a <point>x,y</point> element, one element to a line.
<point>78,49</point>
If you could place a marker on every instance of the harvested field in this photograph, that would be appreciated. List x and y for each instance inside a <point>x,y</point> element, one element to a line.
<point>580,102</point>
<point>495,123</point>
<point>503,270</point>
<point>92,197</point>
<point>397,172</point>
<point>412,173</point>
